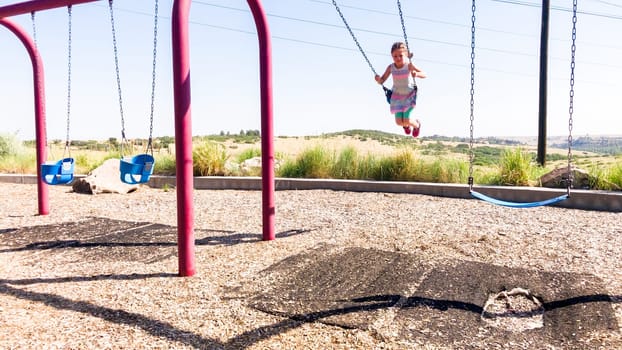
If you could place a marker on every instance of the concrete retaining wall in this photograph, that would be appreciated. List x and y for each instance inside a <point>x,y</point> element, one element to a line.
<point>579,199</point>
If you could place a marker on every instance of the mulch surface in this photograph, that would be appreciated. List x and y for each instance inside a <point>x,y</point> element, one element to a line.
<point>441,303</point>
<point>421,301</point>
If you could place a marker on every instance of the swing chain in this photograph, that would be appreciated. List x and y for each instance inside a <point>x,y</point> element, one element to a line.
<point>153,77</point>
<point>471,151</point>
<point>399,8</point>
<point>571,106</point>
<point>34,28</point>
<point>67,142</point>
<point>354,37</point>
<point>116,63</point>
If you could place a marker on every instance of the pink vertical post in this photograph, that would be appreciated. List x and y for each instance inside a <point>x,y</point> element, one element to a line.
<point>39,95</point>
<point>267,133</point>
<point>183,137</point>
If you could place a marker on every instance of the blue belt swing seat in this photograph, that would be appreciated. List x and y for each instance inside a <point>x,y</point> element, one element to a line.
<point>568,178</point>
<point>60,172</point>
<point>139,168</point>
<point>509,204</point>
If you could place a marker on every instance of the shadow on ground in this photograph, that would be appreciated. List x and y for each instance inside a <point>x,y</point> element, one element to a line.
<point>441,304</point>
<point>393,294</point>
<point>114,240</point>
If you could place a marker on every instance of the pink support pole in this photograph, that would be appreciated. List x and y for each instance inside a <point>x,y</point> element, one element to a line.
<point>37,66</point>
<point>183,138</point>
<point>39,95</point>
<point>267,133</point>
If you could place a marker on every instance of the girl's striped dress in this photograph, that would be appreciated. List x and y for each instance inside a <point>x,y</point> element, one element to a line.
<point>404,94</point>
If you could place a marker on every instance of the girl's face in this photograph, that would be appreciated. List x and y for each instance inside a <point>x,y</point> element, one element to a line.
<point>399,57</point>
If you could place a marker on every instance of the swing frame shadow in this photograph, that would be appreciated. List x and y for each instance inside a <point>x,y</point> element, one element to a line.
<point>163,329</point>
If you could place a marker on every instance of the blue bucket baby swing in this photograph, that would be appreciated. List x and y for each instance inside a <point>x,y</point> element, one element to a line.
<point>136,169</point>
<point>60,172</point>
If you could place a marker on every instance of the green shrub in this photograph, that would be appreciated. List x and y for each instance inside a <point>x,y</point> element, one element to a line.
<point>23,163</point>
<point>399,167</point>
<point>486,176</point>
<point>367,167</point>
<point>287,169</point>
<point>248,154</point>
<point>615,174</point>
<point>312,163</point>
<point>165,165</point>
<point>515,167</point>
<point>597,179</point>
<point>347,164</point>
<point>209,159</point>
<point>10,145</point>
<point>448,171</point>
<point>83,164</point>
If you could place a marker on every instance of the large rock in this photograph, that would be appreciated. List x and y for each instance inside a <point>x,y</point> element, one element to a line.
<point>105,179</point>
<point>253,166</point>
<point>580,179</point>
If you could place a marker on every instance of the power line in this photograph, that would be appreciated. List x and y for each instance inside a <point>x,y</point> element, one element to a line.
<point>337,47</point>
<point>364,30</point>
<point>559,8</point>
<point>510,52</point>
<point>480,28</point>
<point>608,3</point>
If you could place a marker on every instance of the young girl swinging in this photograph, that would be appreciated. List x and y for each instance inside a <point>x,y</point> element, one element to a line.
<point>404,96</point>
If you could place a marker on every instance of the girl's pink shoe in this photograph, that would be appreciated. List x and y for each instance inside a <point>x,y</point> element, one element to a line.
<point>407,130</point>
<point>417,129</point>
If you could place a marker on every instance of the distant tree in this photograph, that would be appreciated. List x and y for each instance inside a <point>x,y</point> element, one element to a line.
<point>166,140</point>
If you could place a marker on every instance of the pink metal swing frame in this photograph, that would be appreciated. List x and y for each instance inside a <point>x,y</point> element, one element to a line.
<point>183,130</point>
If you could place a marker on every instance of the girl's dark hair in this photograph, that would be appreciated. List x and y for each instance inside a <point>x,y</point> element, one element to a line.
<point>400,45</point>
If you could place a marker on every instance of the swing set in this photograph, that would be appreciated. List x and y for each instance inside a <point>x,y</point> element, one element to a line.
<point>135,169</point>
<point>60,172</point>
<point>568,177</point>
<point>476,194</point>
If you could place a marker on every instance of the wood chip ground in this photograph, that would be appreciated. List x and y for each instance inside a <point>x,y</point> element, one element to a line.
<point>53,297</point>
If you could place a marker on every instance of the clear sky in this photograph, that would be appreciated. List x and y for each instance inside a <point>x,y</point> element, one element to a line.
<point>321,81</point>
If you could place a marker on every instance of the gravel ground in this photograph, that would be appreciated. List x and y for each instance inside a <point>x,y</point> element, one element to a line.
<point>57,299</point>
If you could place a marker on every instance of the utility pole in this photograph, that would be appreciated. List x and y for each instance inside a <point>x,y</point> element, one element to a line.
<point>544,56</point>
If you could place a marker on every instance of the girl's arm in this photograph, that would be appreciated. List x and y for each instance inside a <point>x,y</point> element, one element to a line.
<point>416,72</point>
<point>385,75</point>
